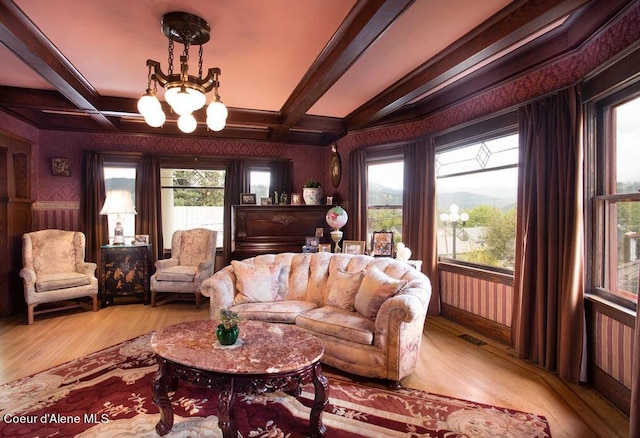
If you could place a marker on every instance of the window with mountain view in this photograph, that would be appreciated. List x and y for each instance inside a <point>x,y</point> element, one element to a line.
<point>192,198</point>
<point>476,192</point>
<point>119,177</point>
<point>384,198</point>
<point>617,203</point>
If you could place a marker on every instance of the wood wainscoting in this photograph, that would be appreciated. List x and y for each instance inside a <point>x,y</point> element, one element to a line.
<point>477,299</point>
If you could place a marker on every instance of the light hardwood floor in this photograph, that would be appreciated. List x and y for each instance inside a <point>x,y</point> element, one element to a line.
<point>448,365</point>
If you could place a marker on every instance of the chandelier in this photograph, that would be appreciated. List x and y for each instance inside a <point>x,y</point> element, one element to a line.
<point>183,92</point>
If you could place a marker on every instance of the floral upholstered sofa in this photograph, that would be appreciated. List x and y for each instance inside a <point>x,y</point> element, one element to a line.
<point>368,312</point>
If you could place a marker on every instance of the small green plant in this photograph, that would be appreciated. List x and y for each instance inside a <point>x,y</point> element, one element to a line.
<point>312,184</point>
<point>228,318</point>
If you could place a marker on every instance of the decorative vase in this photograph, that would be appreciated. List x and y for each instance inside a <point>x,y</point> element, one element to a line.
<point>312,195</point>
<point>227,336</point>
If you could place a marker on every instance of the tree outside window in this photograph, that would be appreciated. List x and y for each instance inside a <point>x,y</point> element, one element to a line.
<point>480,179</point>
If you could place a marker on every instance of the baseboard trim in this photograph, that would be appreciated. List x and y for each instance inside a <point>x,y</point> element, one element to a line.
<point>614,391</point>
<point>477,323</point>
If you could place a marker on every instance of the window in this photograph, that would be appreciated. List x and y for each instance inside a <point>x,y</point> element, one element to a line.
<point>385,181</point>
<point>617,200</point>
<point>476,193</point>
<point>259,181</point>
<point>119,177</point>
<point>192,198</point>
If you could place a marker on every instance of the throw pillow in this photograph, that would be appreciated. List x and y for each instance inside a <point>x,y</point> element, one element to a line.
<point>256,283</point>
<point>375,288</point>
<point>344,288</point>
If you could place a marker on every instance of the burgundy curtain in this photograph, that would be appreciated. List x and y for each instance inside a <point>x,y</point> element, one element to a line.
<point>356,228</point>
<point>233,186</point>
<point>148,205</point>
<point>93,196</point>
<point>419,206</point>
<point>548,310</point>
<point>281,178</point>
<point>634,415</point>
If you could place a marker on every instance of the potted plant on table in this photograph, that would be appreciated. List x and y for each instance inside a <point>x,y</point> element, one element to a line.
<point>227,332</point>
<point>312,192</point>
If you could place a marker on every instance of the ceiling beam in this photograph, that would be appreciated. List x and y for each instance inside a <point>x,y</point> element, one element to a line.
<point>516,21</point>
<point>24,39</point>
<point>366,21</point>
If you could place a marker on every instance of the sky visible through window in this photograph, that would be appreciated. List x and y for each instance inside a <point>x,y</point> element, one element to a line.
<point>628,141</point>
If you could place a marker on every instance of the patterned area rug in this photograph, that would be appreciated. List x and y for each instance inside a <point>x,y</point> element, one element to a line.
<point>108,394</point>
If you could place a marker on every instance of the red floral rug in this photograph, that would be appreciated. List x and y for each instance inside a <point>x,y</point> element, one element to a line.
<point>108,394</point>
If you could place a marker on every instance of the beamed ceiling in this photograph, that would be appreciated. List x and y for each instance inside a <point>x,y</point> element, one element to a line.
<point>304,72</point>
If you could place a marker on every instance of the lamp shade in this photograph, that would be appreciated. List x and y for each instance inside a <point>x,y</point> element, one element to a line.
<point>118,202</point>
<point>336,217</point>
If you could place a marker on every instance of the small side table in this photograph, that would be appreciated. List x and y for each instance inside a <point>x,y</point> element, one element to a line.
<point>124,271</point>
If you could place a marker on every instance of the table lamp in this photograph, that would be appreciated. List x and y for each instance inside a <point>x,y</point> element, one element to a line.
<point>118,202</point>
<point>336,218</point>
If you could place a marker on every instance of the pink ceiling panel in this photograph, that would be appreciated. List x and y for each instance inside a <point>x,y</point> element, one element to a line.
<point>424,30</point>
<point>262,47</point>
<point>15,73</point>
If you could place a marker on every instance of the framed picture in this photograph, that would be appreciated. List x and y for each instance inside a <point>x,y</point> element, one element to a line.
<point>319,232</point>
<point>324,247</point>
<point>247,199</point>
<point>312,241</point>
<point>329,200</point>
<point>141,239</point>
<point>60,167</point>
<point>295,199</point>
<point>266,201</point>
<point>382,244</point>
<point>335,167</point>
<point>353,246</point>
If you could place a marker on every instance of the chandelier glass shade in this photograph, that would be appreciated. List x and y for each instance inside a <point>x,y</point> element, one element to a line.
<point>185,94</point>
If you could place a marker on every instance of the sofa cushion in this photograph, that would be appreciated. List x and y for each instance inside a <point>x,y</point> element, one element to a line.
<point>278,311</point>
<point>344,288</point>
<point>256,283</point>
<point>61,280</point>
<point>331,321</point>
<point>177,273</point>
<point>375,288</point>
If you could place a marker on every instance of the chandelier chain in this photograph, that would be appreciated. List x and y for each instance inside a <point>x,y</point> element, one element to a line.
<point>200,61</point>
<point>170,56</point>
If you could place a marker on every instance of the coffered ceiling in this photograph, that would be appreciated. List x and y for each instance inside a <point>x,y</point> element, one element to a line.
<point>299,71</point>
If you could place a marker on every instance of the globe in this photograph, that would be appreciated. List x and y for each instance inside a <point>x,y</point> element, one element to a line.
<point>336,217</point>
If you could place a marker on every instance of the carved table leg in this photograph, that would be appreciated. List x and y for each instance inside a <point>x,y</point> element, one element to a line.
<point>161,398</point>
<point>226,421</point>
<point>321,385</point>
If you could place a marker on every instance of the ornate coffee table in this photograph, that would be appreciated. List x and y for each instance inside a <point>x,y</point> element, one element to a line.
<point>267,357</point>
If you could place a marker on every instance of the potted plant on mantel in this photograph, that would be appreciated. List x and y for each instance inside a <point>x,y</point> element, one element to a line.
<point>227,332</point>
<point>312,192</point>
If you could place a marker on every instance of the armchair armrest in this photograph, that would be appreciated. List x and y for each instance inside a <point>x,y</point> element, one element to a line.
<point>165,264</point>
<point>220,289</point>
<point>204,270</point>
<point>28,275</point>
<point>87,268</point>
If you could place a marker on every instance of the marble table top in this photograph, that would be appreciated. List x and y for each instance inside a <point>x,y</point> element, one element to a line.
<point>262,348</point>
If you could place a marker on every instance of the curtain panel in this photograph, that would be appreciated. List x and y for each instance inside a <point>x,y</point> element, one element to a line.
<point>357,225</point>
<point>548,313</point>
<point>148,206</point>
<point>634,414</point>
<point>419,204</point>
<point>281,178</point>
<point>233,186</point>
<point>93,196</point>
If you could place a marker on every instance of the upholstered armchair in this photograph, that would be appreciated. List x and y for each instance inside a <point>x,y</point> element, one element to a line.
<point>54,270</point>
<point>193,254</point>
